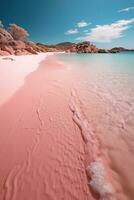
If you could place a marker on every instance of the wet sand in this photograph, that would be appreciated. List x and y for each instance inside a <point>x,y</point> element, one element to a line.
<point>42,152</point>
<point>57,141</point>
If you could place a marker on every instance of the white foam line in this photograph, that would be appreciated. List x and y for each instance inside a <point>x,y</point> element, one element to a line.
<point>99,181</point>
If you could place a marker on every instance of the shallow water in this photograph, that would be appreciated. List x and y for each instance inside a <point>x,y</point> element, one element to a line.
<point>104,85</point>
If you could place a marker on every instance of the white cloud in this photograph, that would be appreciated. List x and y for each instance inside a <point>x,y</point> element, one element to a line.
<point>79,38</point>
<point>108,32</point>
<point>126,9</point>
<point>82,24</point>
<point>72,31</point>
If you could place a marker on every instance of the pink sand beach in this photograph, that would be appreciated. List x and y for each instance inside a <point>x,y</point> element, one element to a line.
<point>42,153</point>
<point>48,150</point>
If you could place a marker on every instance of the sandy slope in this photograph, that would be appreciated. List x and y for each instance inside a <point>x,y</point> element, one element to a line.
<point>42,152</point>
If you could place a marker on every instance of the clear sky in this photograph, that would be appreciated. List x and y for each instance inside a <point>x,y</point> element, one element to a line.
<point>106,23</point>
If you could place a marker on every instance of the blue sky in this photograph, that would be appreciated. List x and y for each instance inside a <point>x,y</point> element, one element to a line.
<point>106,23</point>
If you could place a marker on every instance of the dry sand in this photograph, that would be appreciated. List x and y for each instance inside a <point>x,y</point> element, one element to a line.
<point>13,70</point>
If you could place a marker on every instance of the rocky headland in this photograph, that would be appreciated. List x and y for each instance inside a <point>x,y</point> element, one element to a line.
<point>13,41</point>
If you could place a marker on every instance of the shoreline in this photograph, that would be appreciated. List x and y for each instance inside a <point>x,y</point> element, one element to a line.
<point>55,138</point>
<point>15,69</point>
<point>41,145</point>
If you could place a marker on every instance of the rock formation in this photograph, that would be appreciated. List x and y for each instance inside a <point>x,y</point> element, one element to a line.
<point>83,47</point>
<point>5,36</point>
<point>117,50</point>
<point>86,47</point>
<point>103,51</point>
<point>14,41</point>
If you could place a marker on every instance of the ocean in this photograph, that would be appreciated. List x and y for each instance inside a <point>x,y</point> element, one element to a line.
<point>103,99</point>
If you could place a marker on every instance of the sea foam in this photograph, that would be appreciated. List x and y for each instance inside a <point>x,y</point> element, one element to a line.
<point>96,169</point>
<point>99,181</point>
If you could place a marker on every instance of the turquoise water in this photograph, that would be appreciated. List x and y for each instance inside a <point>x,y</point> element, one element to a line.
<point>120,62</point>
<point>108,76</point>
<point>104,84</point>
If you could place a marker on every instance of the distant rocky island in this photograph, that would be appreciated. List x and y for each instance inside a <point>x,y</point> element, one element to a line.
<point>13,41</point>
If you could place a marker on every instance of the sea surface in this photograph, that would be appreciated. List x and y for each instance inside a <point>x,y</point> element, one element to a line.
<point>103,91</point>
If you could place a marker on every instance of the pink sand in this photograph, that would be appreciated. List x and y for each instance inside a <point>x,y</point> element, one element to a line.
<point>48,149</point>
<point>13,72</point>
<point>42,152</point>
